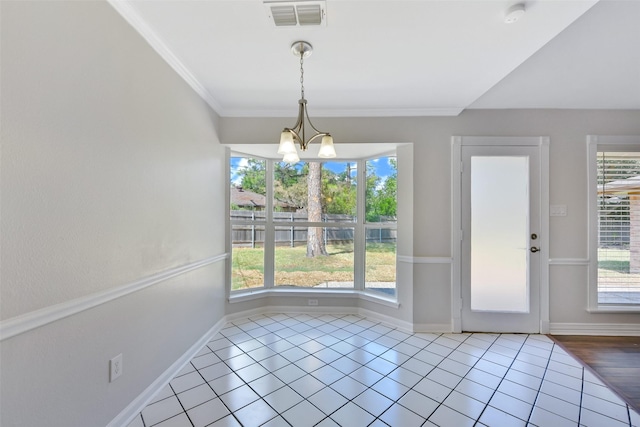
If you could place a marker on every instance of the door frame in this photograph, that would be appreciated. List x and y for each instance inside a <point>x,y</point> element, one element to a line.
<point>457,142</point>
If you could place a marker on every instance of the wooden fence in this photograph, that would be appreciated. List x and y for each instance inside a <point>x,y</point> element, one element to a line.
<point>291,235</point>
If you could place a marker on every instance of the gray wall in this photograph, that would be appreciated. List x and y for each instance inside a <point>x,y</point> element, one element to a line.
<point>111,172</point>
<point>431,190</point>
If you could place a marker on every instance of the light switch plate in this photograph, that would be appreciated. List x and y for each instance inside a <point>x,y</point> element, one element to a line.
<point>558,210</point>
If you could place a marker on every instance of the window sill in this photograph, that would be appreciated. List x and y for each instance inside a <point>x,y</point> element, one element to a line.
<point>249,295</point>
<point>604,309</point>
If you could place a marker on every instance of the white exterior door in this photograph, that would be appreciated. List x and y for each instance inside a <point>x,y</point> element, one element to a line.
<point>500,238</point>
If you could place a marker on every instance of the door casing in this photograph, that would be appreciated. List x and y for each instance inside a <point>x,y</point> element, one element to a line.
<point>457,142</point>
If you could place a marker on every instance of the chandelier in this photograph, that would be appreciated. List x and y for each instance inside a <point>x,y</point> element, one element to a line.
<point>297,134</point>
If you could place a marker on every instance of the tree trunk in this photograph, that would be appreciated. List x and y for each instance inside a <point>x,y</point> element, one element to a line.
<point>315,242</point>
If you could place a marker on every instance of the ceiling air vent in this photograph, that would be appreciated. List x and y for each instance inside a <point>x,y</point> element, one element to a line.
<point>289,14</point>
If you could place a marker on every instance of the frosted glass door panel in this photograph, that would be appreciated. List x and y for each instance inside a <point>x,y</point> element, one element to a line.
<point>499,234</point>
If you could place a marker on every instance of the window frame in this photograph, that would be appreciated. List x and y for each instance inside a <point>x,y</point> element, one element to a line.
<point>360,227</point>
<point>595,144</point>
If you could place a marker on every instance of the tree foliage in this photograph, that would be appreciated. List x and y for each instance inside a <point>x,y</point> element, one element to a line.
<point>253,176</point>
<point>338,189</point>
<point>381,195</point>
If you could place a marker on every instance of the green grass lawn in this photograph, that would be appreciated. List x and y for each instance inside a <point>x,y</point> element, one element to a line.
<point>294,268</point>
<point>614,270</point>
<point>614,260</point>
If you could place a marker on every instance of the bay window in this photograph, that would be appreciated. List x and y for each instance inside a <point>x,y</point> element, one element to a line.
<point>313,225</point>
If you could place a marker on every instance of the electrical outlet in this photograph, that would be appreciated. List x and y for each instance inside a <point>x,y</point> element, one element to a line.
<point>115,368</point>
<point>312,302</point>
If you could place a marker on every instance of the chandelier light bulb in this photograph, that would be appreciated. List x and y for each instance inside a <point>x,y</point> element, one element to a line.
<point>326,148</point>
<point>291,157</point>
<point>286,143</point>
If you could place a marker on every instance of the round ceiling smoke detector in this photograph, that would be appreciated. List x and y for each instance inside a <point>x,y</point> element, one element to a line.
<point>514,13</point>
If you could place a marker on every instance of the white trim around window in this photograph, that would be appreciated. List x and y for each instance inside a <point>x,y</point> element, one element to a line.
<point>597,143</point>
<point>360,227</point>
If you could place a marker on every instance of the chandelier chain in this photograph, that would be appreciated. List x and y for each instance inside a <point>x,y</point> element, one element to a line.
<point>302,75</point>
<point>297,134</point>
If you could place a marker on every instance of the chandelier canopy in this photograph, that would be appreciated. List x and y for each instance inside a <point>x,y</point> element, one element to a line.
<point>297,134</point>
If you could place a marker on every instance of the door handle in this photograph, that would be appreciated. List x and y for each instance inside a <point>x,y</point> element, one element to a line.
<point>534,249</point>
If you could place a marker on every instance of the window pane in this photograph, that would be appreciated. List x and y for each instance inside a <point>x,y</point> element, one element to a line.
<point>381,189</point>
<point>618,228</point>
<point>247,257</point>
<point>334,270</point>
<point>380,272</point>
<point>248,186</point>
<point>315,192</point>
<point>499,232</point>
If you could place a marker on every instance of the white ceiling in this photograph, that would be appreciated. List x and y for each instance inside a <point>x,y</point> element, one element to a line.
<point>400,57</point>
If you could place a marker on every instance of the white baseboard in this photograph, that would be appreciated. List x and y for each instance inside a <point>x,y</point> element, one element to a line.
<point>608,329</point>
<point>306,310</point>
<point>388,320</point>
<point>369,314</point>
<point>275,309</point>
<point>441,328</point>
<point>544,326</point>
<point>140,402</point>
<point>244,314</point>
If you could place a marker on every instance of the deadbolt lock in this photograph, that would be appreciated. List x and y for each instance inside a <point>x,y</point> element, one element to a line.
<point>534,236</point>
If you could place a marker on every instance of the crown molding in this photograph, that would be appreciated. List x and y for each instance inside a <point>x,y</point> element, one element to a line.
<point>362,112</point>
<point>128,12</point>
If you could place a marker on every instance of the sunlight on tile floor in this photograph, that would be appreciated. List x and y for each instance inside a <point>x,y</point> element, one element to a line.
<point>345,370</point>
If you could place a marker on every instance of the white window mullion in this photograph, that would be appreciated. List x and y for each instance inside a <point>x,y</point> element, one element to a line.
<point>359,244</point>
<point>269,232</point>
<point>227,223</point>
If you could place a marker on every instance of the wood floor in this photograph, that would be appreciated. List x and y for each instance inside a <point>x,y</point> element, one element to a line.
<point>616,360</point>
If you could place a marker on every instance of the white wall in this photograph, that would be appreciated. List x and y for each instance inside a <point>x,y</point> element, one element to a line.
<point>431,136</point>
<point>111,173</point>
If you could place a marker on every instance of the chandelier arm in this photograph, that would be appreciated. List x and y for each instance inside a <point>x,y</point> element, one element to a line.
<point>296,138</point>
<point>301,111</point>
<point>309,120</point>
<point>317,135</point>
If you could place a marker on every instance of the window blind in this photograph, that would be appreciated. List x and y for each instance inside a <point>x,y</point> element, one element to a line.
<point>618,227</point>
